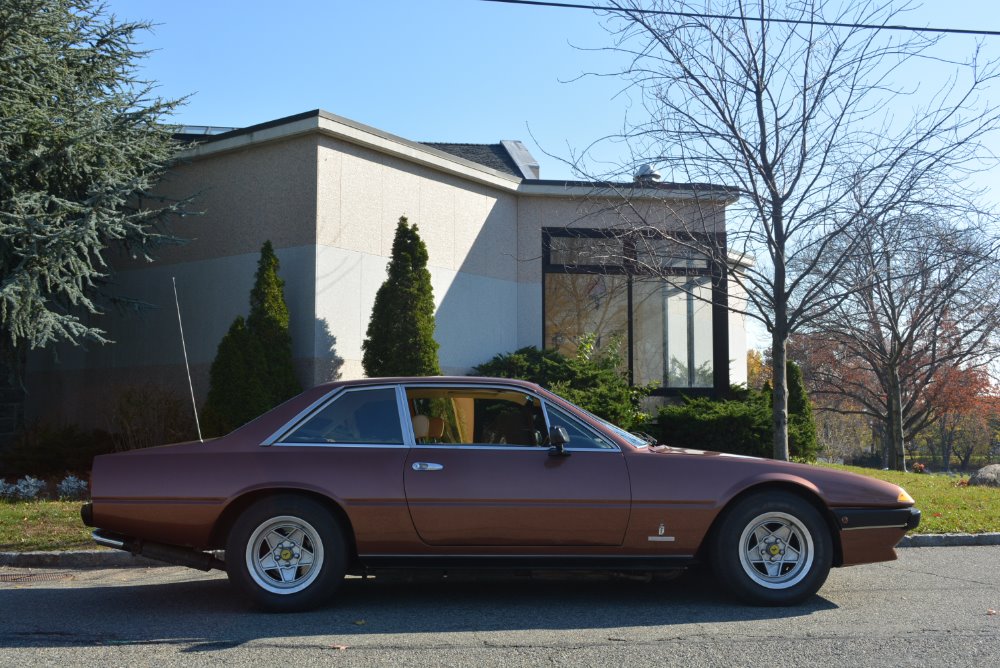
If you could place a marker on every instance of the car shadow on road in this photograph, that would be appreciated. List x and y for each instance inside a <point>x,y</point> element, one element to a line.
<point>206,614</point>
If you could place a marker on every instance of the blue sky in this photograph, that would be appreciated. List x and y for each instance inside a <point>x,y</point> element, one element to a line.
<point>427,70</point>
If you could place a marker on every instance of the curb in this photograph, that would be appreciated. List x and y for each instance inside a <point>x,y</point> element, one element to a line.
<point>950,540</point>
<point>121,559</point>
<point>77,559</point>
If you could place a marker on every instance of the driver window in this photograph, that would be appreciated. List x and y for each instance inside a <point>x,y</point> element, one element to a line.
<point>474,416</point>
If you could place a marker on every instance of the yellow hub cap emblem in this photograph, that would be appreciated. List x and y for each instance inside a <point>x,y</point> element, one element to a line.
<point>286,554</point>
<point>775,550</point>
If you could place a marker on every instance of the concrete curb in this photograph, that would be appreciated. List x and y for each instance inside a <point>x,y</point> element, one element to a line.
<point>77,559</point>
<point>950,539</point>
<point>121,559</point>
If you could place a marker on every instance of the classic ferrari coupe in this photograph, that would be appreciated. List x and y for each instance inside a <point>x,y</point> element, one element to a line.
<point>479,473</point>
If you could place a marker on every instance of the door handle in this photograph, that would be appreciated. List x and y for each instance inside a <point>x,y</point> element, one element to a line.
<point>427,466</point>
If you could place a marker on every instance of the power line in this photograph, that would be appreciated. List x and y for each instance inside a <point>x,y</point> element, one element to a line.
<point>729,17</point>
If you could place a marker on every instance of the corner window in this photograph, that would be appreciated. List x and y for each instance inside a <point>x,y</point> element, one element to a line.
<point>658,298</point>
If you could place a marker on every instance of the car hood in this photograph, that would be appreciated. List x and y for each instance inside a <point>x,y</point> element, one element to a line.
<point>837,488</point>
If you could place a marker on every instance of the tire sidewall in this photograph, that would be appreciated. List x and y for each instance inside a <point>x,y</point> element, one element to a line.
<point>332,569</point>
<point>726,546</point>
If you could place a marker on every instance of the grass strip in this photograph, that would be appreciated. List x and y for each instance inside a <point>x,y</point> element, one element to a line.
<point>948,506</point>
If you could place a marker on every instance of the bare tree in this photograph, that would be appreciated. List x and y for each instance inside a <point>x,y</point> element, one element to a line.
<point>918,322</point>
<point>792,113</point>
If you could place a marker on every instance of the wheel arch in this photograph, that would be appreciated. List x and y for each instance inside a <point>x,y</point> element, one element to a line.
<point>804,492</point>
<point>243,501</point>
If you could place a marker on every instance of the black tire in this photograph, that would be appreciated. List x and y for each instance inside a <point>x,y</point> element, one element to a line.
<point>772,548</point>
<point>286,554</point>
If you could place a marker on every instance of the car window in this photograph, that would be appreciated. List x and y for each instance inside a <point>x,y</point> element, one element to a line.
<point>579,435</point>
<point>368,416</point>
<point>475,416</point>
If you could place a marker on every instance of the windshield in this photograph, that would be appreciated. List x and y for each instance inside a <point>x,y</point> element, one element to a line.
<point>632,439</point>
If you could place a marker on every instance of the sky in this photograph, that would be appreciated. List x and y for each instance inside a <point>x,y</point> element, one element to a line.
<point>426,70</point>
<point>434,70</point>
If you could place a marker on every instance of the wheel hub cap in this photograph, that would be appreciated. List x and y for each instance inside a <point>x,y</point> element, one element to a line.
<point>287,553</point>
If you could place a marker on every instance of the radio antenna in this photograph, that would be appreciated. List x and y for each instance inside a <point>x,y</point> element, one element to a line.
<point>187,366</point>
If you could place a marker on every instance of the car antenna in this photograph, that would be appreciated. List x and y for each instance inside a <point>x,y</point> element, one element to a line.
<point>187,366</point>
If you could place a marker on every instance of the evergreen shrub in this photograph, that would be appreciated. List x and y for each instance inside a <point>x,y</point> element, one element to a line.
<point>253,369</point>
<point>593,379</point>
<point>400,337</point>
<point>741,423</point>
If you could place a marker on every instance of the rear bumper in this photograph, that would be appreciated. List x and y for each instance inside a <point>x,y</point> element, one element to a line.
<point>850,519</point>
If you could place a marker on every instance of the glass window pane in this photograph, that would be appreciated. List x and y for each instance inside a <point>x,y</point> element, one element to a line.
<point>358,417</point>
<point>586,251</point>
<point>472,416</point>
<point>659,254</point>
<point>579,436</point>
<point>577,305</point>
<point>672,330</point>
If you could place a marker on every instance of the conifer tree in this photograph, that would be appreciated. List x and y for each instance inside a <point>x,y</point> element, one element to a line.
<point>802,438</point>
<point>253,370</point>
<point>82,140</point>
<point>400,338</point>
<point>268,322</point>
<point>236,394</point>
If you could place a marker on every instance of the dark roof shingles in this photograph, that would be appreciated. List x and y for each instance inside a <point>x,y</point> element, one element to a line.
<point>494,156</point>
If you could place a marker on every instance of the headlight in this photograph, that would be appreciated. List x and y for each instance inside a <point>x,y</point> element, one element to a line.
<point>904,497</point>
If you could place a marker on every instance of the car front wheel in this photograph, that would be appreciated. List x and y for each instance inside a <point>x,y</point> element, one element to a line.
<point>772,548</point>
<point>286,554</point>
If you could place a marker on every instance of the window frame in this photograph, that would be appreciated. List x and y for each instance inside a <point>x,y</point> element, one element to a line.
<point>311,411</point>
<point>544,402</point>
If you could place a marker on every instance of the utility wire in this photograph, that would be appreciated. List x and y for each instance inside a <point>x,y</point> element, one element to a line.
<point>728,17</point>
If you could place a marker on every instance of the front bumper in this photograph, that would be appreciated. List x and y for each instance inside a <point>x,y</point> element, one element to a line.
<point>849,519</point>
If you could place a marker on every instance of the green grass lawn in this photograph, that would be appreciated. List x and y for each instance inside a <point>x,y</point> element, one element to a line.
<point>42,525</point>
<point>947,507</point>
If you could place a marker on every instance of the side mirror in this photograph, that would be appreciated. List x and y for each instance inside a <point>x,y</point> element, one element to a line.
<point>558,438</point>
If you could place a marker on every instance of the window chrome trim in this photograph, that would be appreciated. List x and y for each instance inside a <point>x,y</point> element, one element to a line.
<point>505,388</point>
<point>501,446</point>
<point>377,446</point>
<point>326,400</point>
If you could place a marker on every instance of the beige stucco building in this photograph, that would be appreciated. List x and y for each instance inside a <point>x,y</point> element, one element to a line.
<point>515,261</point>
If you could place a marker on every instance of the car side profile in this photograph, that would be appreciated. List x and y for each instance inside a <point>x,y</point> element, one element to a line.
<point>479,473</point>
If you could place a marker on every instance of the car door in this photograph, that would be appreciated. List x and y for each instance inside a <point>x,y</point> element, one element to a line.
<point>480,473</point>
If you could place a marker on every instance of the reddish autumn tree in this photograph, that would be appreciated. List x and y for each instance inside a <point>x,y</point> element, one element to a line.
<point>918,298</point>
<point>960,404</point>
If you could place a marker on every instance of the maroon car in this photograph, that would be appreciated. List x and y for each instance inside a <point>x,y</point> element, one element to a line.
<point>479,473</point>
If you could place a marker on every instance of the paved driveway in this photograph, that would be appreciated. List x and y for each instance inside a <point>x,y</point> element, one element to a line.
<point>929,608</point>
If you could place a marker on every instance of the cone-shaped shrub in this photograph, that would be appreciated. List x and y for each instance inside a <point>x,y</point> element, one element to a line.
<point>400,338</point>
<point>253,370</point>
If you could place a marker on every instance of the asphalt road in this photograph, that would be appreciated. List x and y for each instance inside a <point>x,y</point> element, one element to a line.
<point>932,607</point>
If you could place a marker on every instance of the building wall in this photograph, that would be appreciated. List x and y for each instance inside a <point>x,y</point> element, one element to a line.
<point>330,207</point>
<point>470,232</point>
<point>244,198</point>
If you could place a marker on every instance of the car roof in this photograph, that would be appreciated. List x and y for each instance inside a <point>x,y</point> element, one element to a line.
<point>432,380</point>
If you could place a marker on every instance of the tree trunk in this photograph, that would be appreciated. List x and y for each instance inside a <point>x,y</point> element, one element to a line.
<point>11,393</point>
<point>894,437</point>
<point>779,397</point>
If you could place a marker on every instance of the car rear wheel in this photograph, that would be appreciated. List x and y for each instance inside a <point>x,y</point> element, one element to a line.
<point>286,553</point>
<point>772,548</point>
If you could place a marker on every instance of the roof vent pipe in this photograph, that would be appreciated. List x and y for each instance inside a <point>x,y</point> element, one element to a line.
<point>646,174</point>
